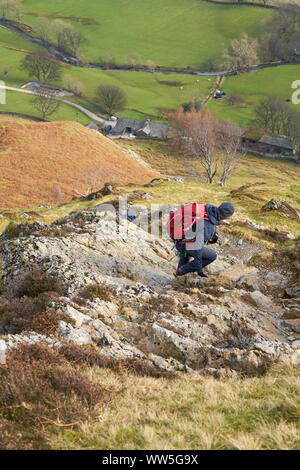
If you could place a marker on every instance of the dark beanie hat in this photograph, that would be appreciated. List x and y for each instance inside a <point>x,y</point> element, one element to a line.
<point>226,210</point>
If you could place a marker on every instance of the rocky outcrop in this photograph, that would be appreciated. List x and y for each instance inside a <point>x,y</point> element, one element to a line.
<point>235,321</point>
<point>283,208</point>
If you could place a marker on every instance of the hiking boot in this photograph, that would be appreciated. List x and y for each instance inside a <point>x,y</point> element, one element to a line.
<point>205,276</point>
<point>178,273</point>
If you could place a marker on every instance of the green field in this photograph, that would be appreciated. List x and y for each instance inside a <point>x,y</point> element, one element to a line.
<point>169,32</point>
<point>145,92</point>
<point>250,88</point>
<point>20,103</point>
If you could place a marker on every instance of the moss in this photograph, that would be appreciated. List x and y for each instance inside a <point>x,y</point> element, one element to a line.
<point>12,230</point>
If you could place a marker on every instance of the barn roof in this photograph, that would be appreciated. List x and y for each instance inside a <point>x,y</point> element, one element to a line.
<point>281,141</point>
<point>146,128</point>
<point>124,123</point>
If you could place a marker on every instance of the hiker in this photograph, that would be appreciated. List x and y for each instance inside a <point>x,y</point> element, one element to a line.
<point>191,228</point>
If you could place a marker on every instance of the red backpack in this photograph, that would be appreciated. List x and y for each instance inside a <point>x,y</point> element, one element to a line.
<point>183,219</point>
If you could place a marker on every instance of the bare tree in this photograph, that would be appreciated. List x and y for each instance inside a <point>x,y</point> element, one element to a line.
<point>45,103</point>
<point>280,39</point>
<point>17,11</point>
<point>228,143</point>
<point>277,117</point>
<point>42,28</point>
<point>272,47</point>
<point>41,66</point>
<point>11,10</point>
<point>67,39</point>
<point>75,86</point>
<point>57,196</point>
<point>134,58</point>
<point>58,27</point>
<point>195,133</point>
<point>73,40</point>
<point>110,98</point>
<point>242,53</point>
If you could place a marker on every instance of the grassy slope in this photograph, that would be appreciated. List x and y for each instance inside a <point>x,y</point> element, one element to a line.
<point>259,413</point>
<point>40,161</point>
<point>196,30</point>
<point>147,413</point>
<point>272,179</point>
<point>144,93</point>
<point>20,103</point>
<point>251,88</point>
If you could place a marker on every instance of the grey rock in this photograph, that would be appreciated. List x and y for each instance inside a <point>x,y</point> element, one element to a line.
<point>3,350</point>
<point>73,334</point>
<point>293,291</point>
<point>290,236</point>
<point>275,279</point>
<point>261,300</point>
<point>249,282</point>
<point>265,348</point>
<point>137,267</point>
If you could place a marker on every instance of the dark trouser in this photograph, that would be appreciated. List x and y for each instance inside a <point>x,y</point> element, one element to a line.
<point>201,258</point>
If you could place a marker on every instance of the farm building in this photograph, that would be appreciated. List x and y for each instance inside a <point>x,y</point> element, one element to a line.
<point>39,87</point>
<point>280,145</point>
<point>146,129</point>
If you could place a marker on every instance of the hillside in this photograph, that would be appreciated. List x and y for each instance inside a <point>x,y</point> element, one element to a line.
<point>143,360</point>
<point>104,343</point>
<point>52,162</point>
<point>197,30</point>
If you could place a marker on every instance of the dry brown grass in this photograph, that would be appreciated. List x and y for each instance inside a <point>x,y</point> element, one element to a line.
<point>194,412</point>
<point>25,305</point>
<point>100,291</point>
<point>30,314</point>
<point>76,398</point>
<point>40,389</point>
<point>40,160</point>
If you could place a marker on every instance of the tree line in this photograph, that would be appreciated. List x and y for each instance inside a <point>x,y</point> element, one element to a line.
<point>58,33</point>
<point>279,40</point>
<point>11,10</point>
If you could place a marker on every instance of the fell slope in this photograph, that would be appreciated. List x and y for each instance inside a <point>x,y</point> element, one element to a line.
<point>52,162</point>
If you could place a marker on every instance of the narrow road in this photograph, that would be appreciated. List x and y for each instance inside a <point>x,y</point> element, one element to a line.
<point>85,111</point>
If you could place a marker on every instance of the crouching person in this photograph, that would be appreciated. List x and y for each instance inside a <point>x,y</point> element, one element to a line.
<point>192,227</point>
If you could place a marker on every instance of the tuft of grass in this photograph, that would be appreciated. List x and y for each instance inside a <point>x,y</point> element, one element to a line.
<point>12,230</point>
<point>239,335</point>
<point>158,304</point>
<point>30,314</point>
<point>37,282</point>
<point>100,291</point>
